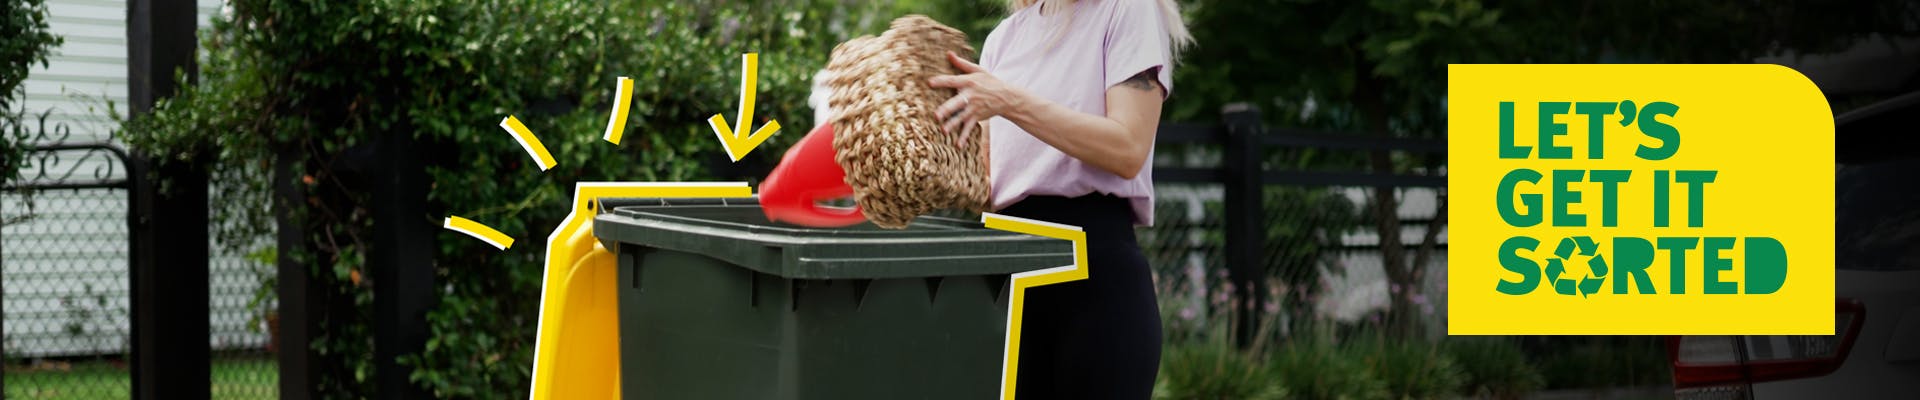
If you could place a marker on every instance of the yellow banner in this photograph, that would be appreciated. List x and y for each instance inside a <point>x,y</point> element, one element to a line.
<point>1638,199</point>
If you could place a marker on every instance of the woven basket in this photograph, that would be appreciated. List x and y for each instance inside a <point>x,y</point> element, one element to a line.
<point>899,161</point>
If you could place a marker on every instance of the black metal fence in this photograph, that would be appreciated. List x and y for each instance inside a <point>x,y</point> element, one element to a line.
<point>64,287</point>
<point>1288,225</point>
<point>65,257</point>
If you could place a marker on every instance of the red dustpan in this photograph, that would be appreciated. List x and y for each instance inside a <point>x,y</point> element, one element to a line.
<point>806,176</point>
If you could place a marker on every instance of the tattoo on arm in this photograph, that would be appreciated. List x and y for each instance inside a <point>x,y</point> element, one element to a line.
<point>1144,81</point>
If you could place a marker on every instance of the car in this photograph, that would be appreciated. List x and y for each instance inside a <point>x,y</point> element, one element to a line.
<point>1874,352</point>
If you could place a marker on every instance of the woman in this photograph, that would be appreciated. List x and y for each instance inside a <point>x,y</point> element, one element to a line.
<point>1070,92</point>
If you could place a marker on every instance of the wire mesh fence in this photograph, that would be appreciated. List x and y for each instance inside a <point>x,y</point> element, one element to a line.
<point>65,280</point>
<point>1321,255</point>
<point>242,301</point>
<point>63,256</point>
<point>1185,248</point>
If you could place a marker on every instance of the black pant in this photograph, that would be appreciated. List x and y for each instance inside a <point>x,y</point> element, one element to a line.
<point>1097,338</point>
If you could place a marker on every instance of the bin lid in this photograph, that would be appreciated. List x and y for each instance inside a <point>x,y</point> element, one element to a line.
<point>734,230</point>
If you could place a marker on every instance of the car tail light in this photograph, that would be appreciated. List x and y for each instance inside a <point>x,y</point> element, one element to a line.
<point>1724,367</point>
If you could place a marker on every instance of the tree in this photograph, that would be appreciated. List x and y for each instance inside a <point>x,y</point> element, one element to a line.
<point>24,42</point>
<point>318,83</point>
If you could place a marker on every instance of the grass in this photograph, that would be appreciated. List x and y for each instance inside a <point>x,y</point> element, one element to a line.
<point>234,377</point>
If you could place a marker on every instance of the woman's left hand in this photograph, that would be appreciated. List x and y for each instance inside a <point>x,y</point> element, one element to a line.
<point>981,96</point>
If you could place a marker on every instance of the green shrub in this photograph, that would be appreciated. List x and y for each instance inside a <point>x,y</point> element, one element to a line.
<point>1410,368</point>
<point>24,42</point>
<point>316,82</point>
<point>1213,369</point>
<point>1318,369</point>
<point>1605,361</point>
<point>1493,367</point>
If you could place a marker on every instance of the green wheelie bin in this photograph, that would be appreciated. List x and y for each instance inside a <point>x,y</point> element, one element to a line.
<point>715,302</point>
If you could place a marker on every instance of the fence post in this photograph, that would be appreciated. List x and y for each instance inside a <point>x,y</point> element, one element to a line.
<point>169,243</point>
<point>169,276</point>
<point>1245,240</point>
<point>401,260</point>
<point>297,312</point>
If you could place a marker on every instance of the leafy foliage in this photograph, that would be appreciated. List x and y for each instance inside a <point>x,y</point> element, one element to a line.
<point>1604,361</point>
<point>1214,370</point>
<point>24,42</point>
<point>1493,367</point>
<point>1200,359</point>
<point>1412,369</point>
<point>1322,369</point>
<point>320,82</point>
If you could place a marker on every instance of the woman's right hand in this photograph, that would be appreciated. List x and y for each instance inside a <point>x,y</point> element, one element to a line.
<point>981,96</point>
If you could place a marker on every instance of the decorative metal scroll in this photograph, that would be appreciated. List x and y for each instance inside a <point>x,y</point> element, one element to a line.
<point>53,160</point>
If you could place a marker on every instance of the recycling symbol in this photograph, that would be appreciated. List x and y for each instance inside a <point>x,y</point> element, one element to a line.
<point>1569,284</point>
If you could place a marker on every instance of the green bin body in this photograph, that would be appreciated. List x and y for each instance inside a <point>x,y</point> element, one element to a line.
<point>718,303</point>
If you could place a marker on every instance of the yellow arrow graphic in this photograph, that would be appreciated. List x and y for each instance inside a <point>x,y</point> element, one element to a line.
<point>617,121</point>
<point>478,231</point>
<point>737,146</point>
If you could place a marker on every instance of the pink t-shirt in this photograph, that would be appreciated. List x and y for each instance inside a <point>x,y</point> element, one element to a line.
<point>1104,43</point>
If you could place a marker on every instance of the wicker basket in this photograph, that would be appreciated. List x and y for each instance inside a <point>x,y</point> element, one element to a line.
<point>899,161</point>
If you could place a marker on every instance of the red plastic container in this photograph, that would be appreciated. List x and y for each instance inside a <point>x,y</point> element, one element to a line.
<point>806,176</point>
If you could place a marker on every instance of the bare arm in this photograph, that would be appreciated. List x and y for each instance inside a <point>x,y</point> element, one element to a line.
<point>1118,142</point>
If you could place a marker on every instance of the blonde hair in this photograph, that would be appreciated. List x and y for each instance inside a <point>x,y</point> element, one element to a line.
<point>1177,34</point>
